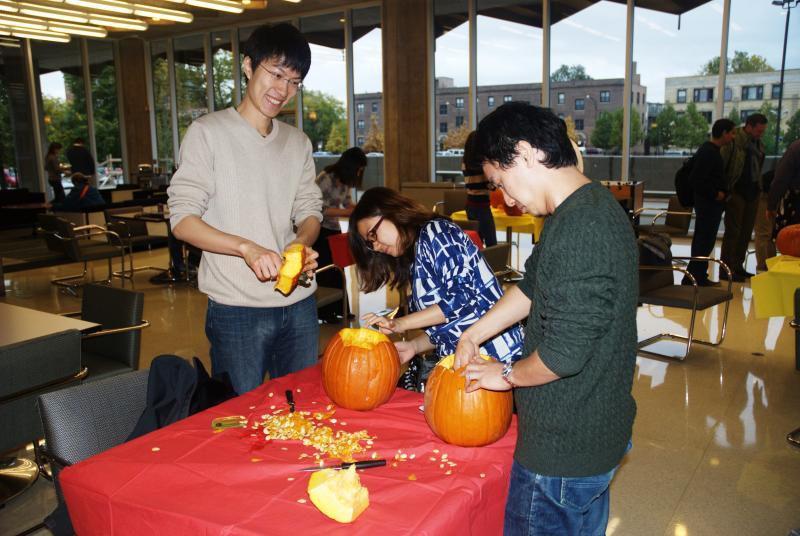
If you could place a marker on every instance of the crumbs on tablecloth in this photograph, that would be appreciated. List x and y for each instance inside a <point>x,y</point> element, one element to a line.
<point>155,449</point>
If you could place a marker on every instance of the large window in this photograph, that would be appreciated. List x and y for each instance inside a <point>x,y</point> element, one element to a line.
<point>190,80</point>
<point>752,92</point>
<point>222,69</point>
<point>103,79</point>
<point>325,87</point>
<point>10,61</point>
<point>451,67</point>
<point>368,73</point>
<point>705,94</point>
<point>162,105</point>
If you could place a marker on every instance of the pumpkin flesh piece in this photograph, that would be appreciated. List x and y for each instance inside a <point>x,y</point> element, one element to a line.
<point>338,493</point>
<point>294,259</point>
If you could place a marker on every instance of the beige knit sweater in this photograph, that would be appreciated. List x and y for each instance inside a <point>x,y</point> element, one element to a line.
<point>248,185</point>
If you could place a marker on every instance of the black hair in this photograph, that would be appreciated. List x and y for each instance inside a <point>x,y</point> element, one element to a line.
<point>500,131</point>
<point>378,269</point>
<point>282,42</point>
<point>55,146</point>
<point>78,141</point>
<point>755,120</point>
<point>472,166</point>
<point>721,126</point>
<point>346,168</point>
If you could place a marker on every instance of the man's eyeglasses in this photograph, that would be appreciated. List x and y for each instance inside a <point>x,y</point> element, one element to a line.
<point>492,186</point>
<point>372,234</point>
<point>293,83</point>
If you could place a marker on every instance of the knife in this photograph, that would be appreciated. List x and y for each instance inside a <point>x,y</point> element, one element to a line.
<point>365,464</point>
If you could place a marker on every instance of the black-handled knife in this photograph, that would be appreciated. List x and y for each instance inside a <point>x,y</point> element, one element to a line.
<point>365,464</point>
<point>290,400</point>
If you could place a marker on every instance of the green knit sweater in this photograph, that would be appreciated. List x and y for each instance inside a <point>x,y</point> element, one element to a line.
<point>582,279</point>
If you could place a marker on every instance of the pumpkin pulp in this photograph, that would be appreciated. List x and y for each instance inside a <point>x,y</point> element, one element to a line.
<point>294,259</point>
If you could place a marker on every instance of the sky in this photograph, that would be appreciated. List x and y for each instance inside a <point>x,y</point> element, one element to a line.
<point>510,53</point>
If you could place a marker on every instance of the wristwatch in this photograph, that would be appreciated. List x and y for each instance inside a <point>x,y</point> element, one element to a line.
<point>507,368</point>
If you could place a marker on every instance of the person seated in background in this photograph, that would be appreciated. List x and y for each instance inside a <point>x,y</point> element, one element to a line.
<point>397,242</point>
<point>478,207</point>
<point>335,182</point>
<point>83,195</point>
<point>81,161</point>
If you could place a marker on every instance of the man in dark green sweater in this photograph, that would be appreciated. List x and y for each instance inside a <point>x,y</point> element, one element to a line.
<point>573,390</point>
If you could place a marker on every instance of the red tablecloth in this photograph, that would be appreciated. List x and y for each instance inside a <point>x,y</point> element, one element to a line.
<point>186,479</point>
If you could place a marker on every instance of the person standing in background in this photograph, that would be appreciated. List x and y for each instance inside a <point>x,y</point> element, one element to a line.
<point>787,177</point>
<point>478,203</point>
<point>710,190</point>
<point>742,161</point>
<point>244,191</point>
<point>336,182</point>
<point>82,161</point>
<point>53,168</point>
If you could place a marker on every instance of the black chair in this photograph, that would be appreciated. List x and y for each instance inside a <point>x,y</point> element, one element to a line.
<point>78,245</point>
<point>87,419</point>
<point>657,287</point>
<point>134,234</point>
<point>676,219</point>
<point>114,349</point>
<point>499,259</point>
<point>28,369</point>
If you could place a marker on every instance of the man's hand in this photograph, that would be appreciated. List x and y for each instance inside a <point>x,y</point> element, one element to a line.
<point>466,350</point>
<point>311,257</point>
<point>265,263</point>
<point>405,350</point>
<point>483,374</point>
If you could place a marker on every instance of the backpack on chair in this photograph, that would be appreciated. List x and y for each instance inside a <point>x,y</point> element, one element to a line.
<point>683,183</point>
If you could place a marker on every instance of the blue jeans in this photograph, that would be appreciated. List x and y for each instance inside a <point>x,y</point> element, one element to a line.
<point>548,505</point>
<point>248,342</point>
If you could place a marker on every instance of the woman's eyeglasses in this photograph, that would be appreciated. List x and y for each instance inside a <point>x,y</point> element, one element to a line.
<point>372,234</point>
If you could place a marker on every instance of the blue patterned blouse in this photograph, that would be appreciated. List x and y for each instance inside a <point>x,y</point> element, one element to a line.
<point>449,271</point>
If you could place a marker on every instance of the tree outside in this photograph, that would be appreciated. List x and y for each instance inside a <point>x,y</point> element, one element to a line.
<point>692,129</point>
<point>374,141</point>
<point>607,134</point>
<point>456,138</point>
<point>663,131</point>
<point>792,132</point>
<point>320,113</point>
<point>568,73</point>
<point>742,62</point>
<point>734,115</point>
<point>337,138</point>
<point>7,156</point>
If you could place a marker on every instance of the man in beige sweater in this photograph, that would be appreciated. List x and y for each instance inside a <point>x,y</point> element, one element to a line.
<point>244,190</point>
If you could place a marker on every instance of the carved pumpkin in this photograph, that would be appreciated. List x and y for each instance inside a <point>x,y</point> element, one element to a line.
<point>788,241</point>
<point>461,418</point>
<point>338,493</point>
<point>360,368</point>
<point>294,259</point>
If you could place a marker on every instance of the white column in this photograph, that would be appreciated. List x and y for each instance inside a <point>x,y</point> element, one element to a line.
<point>545,53</point>
<point>723,60</point>
<point>628,101</point>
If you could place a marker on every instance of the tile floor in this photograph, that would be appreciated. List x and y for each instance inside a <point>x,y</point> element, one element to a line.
<point>710,455</point>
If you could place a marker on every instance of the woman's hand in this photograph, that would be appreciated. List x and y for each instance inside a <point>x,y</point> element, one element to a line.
<point>387,326</point>
<point>483,374</point>
<point>406,350</point>
<point>466,351</point>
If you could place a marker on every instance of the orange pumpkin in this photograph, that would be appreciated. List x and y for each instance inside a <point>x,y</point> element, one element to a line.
<point>360,368</point>
<point>788,241</point>
<point>294,258</point>
<point>461,418</point>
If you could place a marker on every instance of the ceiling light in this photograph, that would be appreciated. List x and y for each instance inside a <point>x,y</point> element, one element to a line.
<point>115,6</point>
<point>293,1</point>
<point>143,10</point>
<point>77,29</point>
<point>17,21</point>
<point>219,5</point>
<point>5,31</point>
<point>9,44</point>
<point>117,22</point>
<point>8,7</point>
<point>42,35</point>
<point>53,13</point>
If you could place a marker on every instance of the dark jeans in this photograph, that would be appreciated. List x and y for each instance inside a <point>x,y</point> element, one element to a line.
<point>708,214</point>
<point>550,505</point>
<point>740,217</point>
<point>58,190</point>
<point>248,342</point>
<point>485,220</point>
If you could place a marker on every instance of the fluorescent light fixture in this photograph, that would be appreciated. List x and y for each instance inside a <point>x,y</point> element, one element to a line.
<point>9,44</point>
<point>219,5</point>
<point>115,6</point>
<point>7,6</point>
<point>153,12</point>
<point>56,13</point>
<point>42,36</point>
<point>117,22</point>
<point>293,1</point>
<point>17,21</point>
<point>5,31</point>
<point>77,29</point>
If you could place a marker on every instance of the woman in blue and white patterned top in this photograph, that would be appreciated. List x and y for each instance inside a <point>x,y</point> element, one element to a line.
<point>398,242</point>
